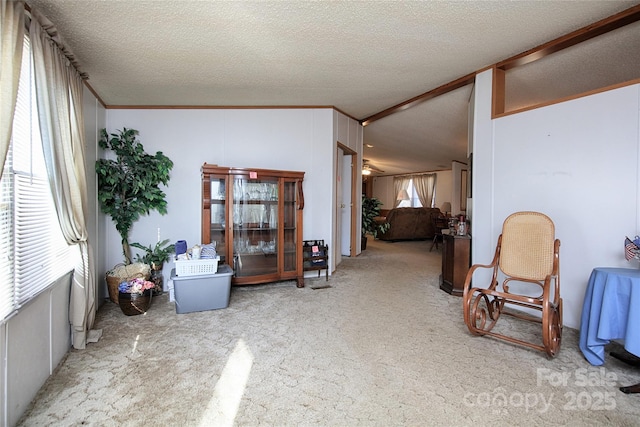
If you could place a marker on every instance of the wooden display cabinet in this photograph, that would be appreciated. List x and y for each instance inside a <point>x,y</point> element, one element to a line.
<point>456,261</point>
<point>255,218</point>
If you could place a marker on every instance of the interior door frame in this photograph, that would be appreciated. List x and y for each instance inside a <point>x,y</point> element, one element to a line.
<point>346,151</point>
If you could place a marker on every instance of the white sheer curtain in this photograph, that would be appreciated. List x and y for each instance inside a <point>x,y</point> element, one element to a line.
<point>425,186</point>
<point>59,98</point>
<point>12,33</point>
<point>400,183</point>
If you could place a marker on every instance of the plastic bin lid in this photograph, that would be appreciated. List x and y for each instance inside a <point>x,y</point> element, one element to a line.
<point>223,270</point>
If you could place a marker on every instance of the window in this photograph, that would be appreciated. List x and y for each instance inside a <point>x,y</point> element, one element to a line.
<point>33,252</point>
<point>414,200</point>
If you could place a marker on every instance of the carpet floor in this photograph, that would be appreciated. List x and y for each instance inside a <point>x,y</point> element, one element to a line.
<point>382,346</point>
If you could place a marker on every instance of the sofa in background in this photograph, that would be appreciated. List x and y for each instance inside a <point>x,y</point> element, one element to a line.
<point>410,224</point>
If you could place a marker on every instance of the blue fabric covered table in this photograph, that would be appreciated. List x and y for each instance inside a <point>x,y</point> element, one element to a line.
<point>611,310</point>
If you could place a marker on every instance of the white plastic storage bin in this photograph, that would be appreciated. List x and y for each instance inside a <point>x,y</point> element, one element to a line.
<point>204,292</point>
<point>196,267</point>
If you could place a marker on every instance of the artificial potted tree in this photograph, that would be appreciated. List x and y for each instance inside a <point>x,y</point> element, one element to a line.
<point>129,187</point>
<point>371,210</point>
<point>155,257</point>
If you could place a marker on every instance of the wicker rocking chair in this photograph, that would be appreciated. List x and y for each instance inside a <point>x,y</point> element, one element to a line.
<point>527,256</point>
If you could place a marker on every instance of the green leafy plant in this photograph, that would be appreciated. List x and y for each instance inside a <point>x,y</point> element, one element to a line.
<point>371,210</point>
<point>129,185</point>
<point>155,255</point>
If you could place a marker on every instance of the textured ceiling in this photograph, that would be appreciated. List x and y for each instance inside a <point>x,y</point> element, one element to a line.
<point>359,56</point>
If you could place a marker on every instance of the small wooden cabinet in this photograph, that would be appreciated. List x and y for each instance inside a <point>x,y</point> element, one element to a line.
<point>456,260</point>
<point>255,218</point>
<point>315,255</point>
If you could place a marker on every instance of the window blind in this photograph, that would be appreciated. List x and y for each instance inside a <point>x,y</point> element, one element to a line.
<point>34,251</point>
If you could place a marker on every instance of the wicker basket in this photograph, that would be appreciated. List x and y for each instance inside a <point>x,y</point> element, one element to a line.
<point>132,271</point>
<point>112,286</point>
<point>134,304</point>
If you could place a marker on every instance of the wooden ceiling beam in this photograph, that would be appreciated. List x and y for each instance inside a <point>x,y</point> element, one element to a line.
<point>596,29</point>
<point>603,26</point>
<point>441,90</point>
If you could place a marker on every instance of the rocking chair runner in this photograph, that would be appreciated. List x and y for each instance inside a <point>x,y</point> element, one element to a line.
<point>527,255</point>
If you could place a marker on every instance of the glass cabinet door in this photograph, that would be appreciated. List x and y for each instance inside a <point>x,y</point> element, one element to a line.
<point>218,215</point>
<point>290,226</point>
<point>255,226</point>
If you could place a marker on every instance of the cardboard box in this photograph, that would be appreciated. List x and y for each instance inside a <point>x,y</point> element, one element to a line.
<point>200,293</point>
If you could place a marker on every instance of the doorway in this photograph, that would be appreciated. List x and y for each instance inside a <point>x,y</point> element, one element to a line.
<point>346,205</point>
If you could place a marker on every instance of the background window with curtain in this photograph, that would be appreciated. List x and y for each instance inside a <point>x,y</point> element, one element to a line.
<point>33,251</point>
<point>413,201</point>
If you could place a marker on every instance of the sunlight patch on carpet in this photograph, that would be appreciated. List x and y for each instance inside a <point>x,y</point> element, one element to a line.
<point>228,392</point>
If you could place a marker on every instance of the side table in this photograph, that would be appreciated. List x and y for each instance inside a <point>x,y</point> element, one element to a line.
<point>610,311</point>
<point>456,260</point>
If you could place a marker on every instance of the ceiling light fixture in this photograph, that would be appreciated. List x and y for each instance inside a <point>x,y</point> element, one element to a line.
<point>367,168</point>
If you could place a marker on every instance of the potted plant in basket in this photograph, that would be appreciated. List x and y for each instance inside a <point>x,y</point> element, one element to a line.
<point>371,210</point>
<point>155,257</point>
<point>134,296</point>
<point>129,187</point>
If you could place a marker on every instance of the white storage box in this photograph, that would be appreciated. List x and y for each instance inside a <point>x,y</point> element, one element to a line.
<point>196,267</point>
<point>204,292</point>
